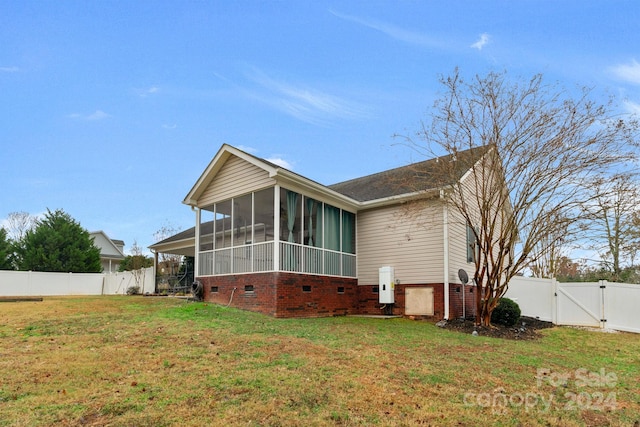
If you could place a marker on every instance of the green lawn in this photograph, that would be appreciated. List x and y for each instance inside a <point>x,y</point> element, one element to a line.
<point>143,361</point>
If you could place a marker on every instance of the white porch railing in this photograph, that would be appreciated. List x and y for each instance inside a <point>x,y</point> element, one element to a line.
<point>307,259</point>
<point>293,257</point>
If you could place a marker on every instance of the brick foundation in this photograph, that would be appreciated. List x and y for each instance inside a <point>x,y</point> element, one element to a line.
<point>368,300</point>
<point>455,301</point>
<point>282,294</point>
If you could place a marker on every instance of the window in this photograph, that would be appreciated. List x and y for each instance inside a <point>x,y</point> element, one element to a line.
<point>472,244</point>
<point>223,225</point>
<point>242,220</point>
<point>248,289</point>
<point>348,232</point>
<point>206,228</point>
<point>214,289</point>
<point>341,289</point>
<point>263,215</point>
<point>312,222</point>
<point>306,288</point>
<point>331,228</point>
<point>290,216</point>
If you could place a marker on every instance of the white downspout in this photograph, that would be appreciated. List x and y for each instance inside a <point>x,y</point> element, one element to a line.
<point>196,255</point>
<point>445,233</point>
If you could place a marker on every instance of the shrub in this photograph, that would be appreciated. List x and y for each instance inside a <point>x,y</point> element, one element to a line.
<point>506,313</point>
<point>133,290</point>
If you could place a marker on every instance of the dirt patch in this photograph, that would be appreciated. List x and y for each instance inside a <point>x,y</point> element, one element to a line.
<point>526,329</point>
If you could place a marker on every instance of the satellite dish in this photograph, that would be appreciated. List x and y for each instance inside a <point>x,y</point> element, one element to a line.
<point>464,277</point>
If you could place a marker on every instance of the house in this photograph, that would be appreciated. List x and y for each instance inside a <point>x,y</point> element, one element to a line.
<point>269,240</point>
<point>111,251</point>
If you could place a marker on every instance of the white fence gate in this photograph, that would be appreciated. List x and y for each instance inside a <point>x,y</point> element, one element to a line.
<point>596,304</point>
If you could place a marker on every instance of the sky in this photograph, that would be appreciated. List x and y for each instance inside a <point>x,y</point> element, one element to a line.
<point>111,110</point>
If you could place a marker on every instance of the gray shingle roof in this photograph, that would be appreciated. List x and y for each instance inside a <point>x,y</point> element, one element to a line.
<point>420,176</point>
<point>189,233</point>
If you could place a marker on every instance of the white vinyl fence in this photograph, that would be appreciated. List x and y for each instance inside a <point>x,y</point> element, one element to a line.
<point>596,304</point>
<point>36,283</point>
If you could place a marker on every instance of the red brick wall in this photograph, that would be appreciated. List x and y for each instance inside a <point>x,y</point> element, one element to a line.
<point>455,301</point>
<point>368,300</point>
<point>231,290</point>
<point>319,298</point>
<point>282,294</point>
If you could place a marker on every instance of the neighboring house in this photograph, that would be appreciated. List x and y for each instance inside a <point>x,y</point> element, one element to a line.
<point>111,251</point>
<point>273,241</point>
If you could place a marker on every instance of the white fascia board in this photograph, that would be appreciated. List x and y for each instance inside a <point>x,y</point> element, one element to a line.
<point>214,166</point>
<point>311,188</point>
<point>417,195</point>
<point>177,244</point>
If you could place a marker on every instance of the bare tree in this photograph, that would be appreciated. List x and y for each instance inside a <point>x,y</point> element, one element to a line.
<point>549,253</point>
<point>612,213</point>
<point>635,235</point>
<point>541,150</point>
<point>18,223</point>
<point>171,262</point>
<point>138,269</point>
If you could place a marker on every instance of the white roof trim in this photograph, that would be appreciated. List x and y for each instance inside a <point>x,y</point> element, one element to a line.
<point>288,178</point>
<point>214,167</point>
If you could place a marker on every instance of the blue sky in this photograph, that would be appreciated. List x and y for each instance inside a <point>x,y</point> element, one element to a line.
<point>110,110</point>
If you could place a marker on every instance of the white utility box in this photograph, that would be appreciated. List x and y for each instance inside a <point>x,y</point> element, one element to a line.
<point>386,285</point>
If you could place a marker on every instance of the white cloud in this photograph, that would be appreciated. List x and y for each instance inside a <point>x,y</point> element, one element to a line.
<point>277,160</point>
<point>481,42</point>
<point>393,31</point>
<point>97,115</point>
<point>143,93</point>
<point>9,69</point>
<point>628,72</point>
<point>169,127</point>
<point>304,103</point>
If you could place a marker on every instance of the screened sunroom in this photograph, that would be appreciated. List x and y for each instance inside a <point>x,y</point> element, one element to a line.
<point>275,229</point>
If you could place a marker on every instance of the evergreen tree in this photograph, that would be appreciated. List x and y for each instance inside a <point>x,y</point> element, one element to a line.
<point>59,243</point>
<point>6,251</point>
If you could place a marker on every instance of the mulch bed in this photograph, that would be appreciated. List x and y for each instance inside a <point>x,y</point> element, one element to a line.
<point>526,329</point>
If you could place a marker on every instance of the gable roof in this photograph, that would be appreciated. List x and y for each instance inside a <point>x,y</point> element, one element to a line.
<point>108,248</point>
<point>282,175</point>
<point>373,190</point>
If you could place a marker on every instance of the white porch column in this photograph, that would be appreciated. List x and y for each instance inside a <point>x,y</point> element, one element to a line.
<point>276,228</point>
<point>196,253</point>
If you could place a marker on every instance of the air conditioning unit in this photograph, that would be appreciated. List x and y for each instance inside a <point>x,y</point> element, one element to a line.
<point>386,285</point>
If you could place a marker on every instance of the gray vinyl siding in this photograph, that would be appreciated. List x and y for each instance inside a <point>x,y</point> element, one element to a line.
<point>236,177</point>
<point>458,226</point>
<point>413,246</point>
<point>458,246</point>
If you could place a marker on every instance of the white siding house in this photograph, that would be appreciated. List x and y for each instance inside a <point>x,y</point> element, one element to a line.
<point>270,240</point>
<point>111,251</point>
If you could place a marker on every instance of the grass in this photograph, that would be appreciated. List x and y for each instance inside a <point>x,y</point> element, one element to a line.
<point>122,361</point>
